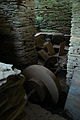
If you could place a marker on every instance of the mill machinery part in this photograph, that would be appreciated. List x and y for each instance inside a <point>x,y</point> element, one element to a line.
<point>44,80</point>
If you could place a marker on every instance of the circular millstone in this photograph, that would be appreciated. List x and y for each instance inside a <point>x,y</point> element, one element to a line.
<point>40,74</point>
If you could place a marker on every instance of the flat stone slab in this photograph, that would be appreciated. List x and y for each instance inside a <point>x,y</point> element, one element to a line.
<point>73,99</point>
<point>7,70</point>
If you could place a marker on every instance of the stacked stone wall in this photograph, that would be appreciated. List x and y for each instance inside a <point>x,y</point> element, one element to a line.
<point>74,50</point>
<point>54,15</point>
<point>17,31</point>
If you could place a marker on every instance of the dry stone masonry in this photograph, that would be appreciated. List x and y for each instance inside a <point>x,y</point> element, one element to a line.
<point>17,31</point>
<point>74,50</point>
<point>54,15</point>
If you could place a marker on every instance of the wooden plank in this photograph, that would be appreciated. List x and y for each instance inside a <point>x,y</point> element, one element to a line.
<point>50,48</point>
<point>61,50</point>
<point>43,54</point>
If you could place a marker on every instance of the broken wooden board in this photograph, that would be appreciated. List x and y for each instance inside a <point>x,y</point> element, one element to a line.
<point>39,41</point>
<point>73,99</point>
<point>48,33</point>
<point>43,54</point>
<point>50,48</point>
<point>61,50</point>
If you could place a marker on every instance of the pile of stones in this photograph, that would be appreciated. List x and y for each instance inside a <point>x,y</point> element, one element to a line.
<point>12,94</point>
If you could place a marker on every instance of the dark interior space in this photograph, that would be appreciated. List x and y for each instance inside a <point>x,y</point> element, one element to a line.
<point>39,60</point>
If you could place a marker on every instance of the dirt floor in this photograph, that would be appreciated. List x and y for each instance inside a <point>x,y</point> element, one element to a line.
<point>36,112</point>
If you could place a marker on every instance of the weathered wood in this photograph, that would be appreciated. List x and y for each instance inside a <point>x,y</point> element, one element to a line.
<point>43,54</point>
<point>50,48</point>
<point>61,50</point>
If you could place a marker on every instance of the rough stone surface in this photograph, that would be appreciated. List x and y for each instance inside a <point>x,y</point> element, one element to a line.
<point>73,99</point>
<point>16,32</point>
<point>54,15</point>
<point>5,71</point>
<point>74,50</point>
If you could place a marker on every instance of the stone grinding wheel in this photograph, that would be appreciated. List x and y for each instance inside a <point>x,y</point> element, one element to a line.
<point>42,75</point>
<point>36,90</point>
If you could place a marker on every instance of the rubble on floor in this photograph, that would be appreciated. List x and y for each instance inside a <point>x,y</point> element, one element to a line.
<point>13,98</point>
<point>55,61</point>
<point>12,93</point>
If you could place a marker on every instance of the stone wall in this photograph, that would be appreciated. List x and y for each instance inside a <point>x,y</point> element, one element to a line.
<point>54,15</point>
<point>17,44</point>
<point>74,50</point>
